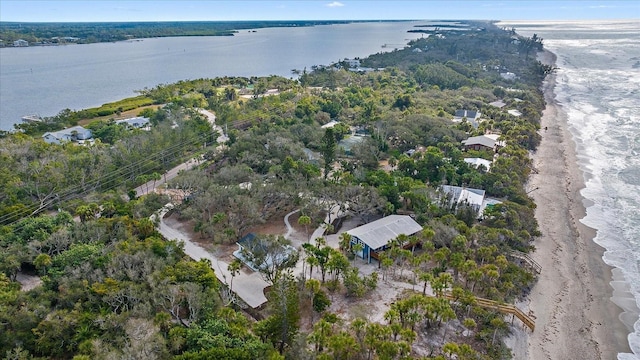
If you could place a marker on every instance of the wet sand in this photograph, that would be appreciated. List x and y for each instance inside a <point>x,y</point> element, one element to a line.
<point>575,317</point>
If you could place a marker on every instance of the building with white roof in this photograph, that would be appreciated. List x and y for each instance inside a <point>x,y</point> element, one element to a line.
<point>75,133</point>
<point>477,162</point>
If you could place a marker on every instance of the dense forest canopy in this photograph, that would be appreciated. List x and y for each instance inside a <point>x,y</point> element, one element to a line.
<point>113,287</point>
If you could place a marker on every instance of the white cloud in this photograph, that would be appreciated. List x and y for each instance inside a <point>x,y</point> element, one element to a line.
<point>335,4</point>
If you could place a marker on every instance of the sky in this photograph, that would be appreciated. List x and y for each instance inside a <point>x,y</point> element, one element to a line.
<point>214,10</point>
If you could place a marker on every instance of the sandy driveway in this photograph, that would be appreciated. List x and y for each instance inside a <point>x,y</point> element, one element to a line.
<point>248,286</point>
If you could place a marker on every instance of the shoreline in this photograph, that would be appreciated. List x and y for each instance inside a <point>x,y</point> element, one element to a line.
<point>575,316</point>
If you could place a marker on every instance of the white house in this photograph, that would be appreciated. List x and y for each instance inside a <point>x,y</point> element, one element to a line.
<point>469,196</point>
<point>375,236</point>
<point>514,112</point>
<point>330,124</point>
<point>135,122</point>
<point>498,103</point>
<point>75,133</point>
<point>21,43</point>
<point>353,63</point>
<point>477,162</point>
<point>508,75</point>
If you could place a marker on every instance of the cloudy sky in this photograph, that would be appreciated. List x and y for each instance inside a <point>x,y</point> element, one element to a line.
<point>212,10</point>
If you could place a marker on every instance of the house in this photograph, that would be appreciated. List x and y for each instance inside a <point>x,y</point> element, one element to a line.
<point>353,63</point>
<point>508,75</point>
<point>252,248</point>
<point>472,117</point>
<point>483,142</point>
<point>469,196</point>
<point>462,195</point>
<point>21,43</point>
<point>499,104</point>
<point>375,236</point>
<point>312,157</point>
<point>75,133</point>
<point>330,124</point>
<point>477,162</point>
<point>135,122</point>
<point>514,112</point>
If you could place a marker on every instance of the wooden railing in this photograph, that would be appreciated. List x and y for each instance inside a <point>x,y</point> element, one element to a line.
<point>527,259</point>
<point>503,308</point>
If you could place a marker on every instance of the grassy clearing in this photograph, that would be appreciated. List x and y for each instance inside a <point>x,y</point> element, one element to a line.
<point>123,115</point>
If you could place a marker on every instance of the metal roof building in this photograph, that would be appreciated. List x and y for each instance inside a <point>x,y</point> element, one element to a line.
<point>376,235</point>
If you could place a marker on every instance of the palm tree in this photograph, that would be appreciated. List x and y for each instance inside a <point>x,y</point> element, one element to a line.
<point>305,220</point>
<point>345,241</point>
<point>357,248</point>
<point>234,269</point>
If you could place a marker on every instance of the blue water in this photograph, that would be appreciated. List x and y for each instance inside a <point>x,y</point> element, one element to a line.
<point>598,86</point>
<point>45,80</point>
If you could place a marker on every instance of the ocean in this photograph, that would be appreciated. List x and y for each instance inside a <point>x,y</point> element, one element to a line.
<point>44,80</point>
<point>598,86</point>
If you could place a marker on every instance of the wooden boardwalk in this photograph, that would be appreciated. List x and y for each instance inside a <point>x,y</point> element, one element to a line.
<point>527,260</point>
<point>503,308</point>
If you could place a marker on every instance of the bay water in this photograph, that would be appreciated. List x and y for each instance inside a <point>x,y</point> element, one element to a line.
<point>44,80</point>
<point>598,86</point>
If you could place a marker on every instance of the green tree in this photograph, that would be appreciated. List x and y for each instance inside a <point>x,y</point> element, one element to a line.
<point>328,150</point>
<point>284,308</point>
<point>305,221</point>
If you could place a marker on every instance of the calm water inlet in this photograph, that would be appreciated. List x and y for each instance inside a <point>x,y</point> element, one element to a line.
<point>45,80</point>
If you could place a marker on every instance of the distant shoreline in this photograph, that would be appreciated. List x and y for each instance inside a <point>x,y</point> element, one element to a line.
<point>54,34</point>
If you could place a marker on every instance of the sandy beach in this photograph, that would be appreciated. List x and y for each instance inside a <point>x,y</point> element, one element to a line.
<point>575,318</point>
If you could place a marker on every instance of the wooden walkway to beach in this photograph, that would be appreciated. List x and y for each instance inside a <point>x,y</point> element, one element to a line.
<point>527,260</point>
<point>503,308</point>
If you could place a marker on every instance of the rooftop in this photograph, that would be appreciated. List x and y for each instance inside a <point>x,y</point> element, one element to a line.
<point>378,233</point>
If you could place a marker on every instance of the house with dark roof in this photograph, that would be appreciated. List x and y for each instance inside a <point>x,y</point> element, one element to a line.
<point>473,117</point>
<point>376,236</point>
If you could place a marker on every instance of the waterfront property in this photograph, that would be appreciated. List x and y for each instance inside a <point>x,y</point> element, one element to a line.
<point>73,134</point>
<point>477,162</point>
<point>375,236</point>
<point>21,43</point>
<point>475,198</point>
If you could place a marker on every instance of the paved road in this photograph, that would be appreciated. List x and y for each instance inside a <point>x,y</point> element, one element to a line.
<point>149,186</point>
<point>249,287</point>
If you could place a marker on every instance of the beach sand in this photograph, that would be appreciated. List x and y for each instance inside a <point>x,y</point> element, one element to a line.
<point>575,318</point>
